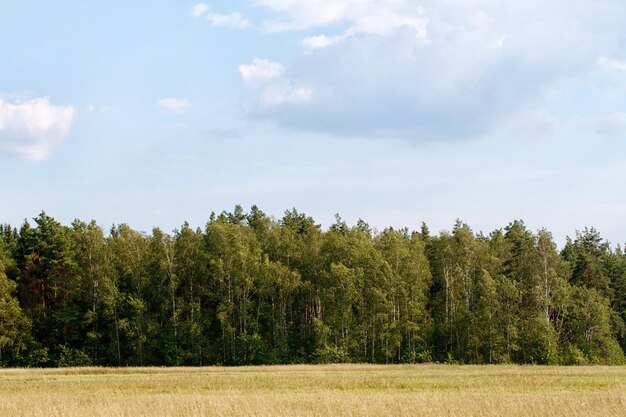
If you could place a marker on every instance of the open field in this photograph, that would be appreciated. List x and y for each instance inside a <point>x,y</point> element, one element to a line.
<point>332,390</point>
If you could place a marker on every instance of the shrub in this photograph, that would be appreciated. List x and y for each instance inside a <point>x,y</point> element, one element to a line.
<point>72,357</point>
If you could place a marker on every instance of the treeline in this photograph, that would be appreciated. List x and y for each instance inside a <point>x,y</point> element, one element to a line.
<point>248,289</point>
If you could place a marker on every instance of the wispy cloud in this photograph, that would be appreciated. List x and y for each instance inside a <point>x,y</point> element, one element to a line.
<point>174,105</point>
<point>198,10</point>
<point>612,64</point>
<point>285,93</point>
<point>260,70</point>
<point>233,20</point>
<point>373,17</point>
<point>320,41</point>
<point>32,128</point>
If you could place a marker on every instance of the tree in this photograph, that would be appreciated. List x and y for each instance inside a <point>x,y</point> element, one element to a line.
<point>14,326</point>
<point>128,250</point>
<point>458,262</point>
<point>587,255</point>
<point>588,328</point>
<point>235,266</point>
<point>277,286</point>
<point>97,293</point>
<point>410,283</point>
<point>49,283</point>
<point>161,296</point>
<point>249,289</point>
<point>195,305</point>
<point>616,268</point>
<point>531,266</point>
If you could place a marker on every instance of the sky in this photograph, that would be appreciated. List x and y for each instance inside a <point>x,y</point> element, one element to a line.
<point>157,112</point>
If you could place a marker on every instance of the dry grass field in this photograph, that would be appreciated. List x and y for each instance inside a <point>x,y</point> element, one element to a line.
<point>333,390</point>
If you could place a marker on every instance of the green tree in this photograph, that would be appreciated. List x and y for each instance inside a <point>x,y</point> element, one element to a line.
<point>616,268</point>
<point>195,305</point>
<point>588,328</point>
<point>529,265</point>
<point>161,297</point>
<point>408,291</point>
<point>14,325</point>
<point>49,283</point>
<point>128,250</point>
<point>587,255</point>
<point>235,266</point>
<point>96,293</point>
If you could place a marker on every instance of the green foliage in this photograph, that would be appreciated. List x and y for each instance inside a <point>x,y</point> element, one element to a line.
<point>70,357</point>
<point>36,357</point>
<point>572,355</point>
<point>248,289</point>
<point>14,326</point>
<point>331,354</point>
<point>588,327</point>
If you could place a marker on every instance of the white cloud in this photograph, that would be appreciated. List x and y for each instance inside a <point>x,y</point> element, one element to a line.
<point>498,43</point>
<point>32,128</point>
<point>429,69</point>
<point>174,105</point>
<point>232,20</point>
<point>261,70</point>
<point>285,93</point>
<point>360,16</point>
<point>320,41</point>
<point>612,64</point>
<point>199,9</point>
<point>300,15</point>
<point>17,96</point>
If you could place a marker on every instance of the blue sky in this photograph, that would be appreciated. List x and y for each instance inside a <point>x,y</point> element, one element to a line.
<point>395,111</point>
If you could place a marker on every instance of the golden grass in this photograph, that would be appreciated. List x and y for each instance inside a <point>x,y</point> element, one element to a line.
<point>329,390</point>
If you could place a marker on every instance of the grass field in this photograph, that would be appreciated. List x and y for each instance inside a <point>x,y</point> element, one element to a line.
<point>333,390</point>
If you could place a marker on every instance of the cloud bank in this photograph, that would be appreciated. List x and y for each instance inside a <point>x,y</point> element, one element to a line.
<point>427,70</point>
<point>33,128</point>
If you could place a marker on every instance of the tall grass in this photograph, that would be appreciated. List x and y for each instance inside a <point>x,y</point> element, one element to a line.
<point>333,390</point>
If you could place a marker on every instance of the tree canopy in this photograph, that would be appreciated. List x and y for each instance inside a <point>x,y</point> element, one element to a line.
<point>251,289</point>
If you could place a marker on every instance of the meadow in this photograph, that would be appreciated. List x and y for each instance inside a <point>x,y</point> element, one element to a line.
<point>310,390</point>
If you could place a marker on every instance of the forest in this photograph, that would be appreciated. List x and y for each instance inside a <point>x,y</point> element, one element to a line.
<point>251,289</point>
